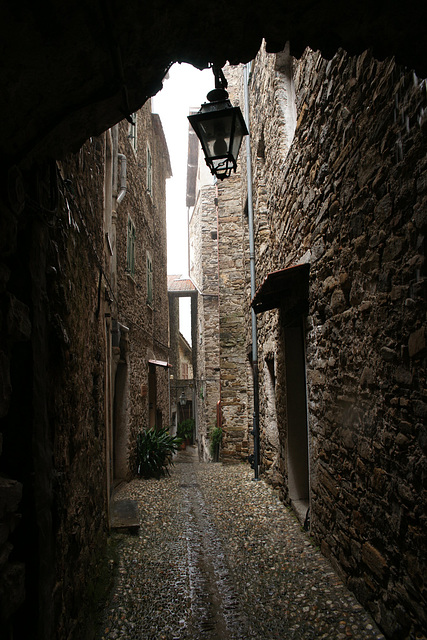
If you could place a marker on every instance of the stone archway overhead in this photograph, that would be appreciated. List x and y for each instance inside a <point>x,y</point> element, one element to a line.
<point>73,68</point>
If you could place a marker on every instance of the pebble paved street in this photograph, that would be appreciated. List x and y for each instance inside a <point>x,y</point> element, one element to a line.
<point>219,557</point>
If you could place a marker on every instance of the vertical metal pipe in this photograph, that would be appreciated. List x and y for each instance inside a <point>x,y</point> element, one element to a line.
<point>252,273</point>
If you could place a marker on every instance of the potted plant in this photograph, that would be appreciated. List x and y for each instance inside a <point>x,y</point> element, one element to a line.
<point>185,430</point>
<point>215,442</point>
<point>154,452</point>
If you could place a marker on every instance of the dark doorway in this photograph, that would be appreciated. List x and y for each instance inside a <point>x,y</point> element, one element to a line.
<point>152,396</point>
<point>120,423</point>
<point>297,440</point>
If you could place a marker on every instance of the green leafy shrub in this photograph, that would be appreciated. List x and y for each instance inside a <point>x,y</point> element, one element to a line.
<point>185,429</point>
<point>215,438</point>
<point>154,451</point>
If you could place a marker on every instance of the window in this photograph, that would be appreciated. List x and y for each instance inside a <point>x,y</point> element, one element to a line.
<point>149,280</point>
<point>149,172</point>
<point>130,258</point>
<point>132,131</point>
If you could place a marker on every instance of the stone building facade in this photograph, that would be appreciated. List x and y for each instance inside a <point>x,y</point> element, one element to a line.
<point>183,357</point>
<point>72,318</point>
<point>339,189</point>
<point>140,376</point>
<point>217,267</point>
<point>203,232</point>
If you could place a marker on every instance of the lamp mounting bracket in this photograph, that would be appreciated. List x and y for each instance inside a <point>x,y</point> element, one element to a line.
<point>220,79</point>
<point>219,94</point>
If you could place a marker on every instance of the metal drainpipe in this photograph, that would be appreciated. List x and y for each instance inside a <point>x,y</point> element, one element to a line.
<point>253,280</point>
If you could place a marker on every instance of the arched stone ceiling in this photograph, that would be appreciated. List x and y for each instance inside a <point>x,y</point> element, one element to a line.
<point>72,68</point>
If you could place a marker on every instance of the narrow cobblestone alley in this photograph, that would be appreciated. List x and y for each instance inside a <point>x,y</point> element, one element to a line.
<point>219,557</point>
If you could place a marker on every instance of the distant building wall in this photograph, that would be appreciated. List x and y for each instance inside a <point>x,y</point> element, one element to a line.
<point>217,258</point>
<point>142,300</point>
<point>204,271</point>
<point>233,315</point>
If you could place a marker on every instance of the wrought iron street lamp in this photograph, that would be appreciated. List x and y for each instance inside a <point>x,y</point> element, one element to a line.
<point>220,128</point>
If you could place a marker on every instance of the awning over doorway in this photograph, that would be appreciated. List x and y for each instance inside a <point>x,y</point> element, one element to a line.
<point>160,363</point>
<point>287,287</point>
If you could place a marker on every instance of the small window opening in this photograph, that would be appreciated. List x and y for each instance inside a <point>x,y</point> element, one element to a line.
<point>260,152</point>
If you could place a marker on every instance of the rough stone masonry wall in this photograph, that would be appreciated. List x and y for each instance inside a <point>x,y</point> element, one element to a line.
<point>351,197</point>
<point>234,384</point>
<point>204,271</point>
<point>161,172</point>
<point>232,289</point>
<point>218,268</point>
<point>270,141</point>
<point>52,420</point>
<point>148,324</point>
<point>78,378</point>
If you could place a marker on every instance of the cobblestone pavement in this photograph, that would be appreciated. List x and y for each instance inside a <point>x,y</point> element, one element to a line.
<point>218,557</point>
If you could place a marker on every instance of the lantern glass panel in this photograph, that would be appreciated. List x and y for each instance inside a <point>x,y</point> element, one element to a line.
<point>220,130</point>
<point>240,130</point>
<point>215,133</point>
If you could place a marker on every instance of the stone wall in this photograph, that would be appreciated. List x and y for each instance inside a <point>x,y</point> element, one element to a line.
<point>77,373</point>
<point>58,301</point>
<point>52,420</point>
<point>204,272</point>
<point>232,335</point>
<point>217,241</point>
<point>218,268</point>
<point>148,322</point>
<point>349,196</point>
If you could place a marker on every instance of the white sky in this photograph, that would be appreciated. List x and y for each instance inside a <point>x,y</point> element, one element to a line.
<point>185,89</point>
